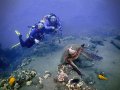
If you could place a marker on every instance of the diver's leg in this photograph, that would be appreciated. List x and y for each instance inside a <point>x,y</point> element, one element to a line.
<point>20,38</point>
<point>21,41</point>
<point>29,42</point>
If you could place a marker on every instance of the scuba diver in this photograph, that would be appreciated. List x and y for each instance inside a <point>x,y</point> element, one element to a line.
<point>52,24</point>
<point>72,54</point>
<point>35,36</point>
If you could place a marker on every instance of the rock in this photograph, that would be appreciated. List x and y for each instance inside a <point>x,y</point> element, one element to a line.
<point>39,83</point>
<point>25,61</point>
<point>116,43</point>
<point>97,42</point>
<point>6,86</point>
<point>33,73</point>
<point>40,80</point>
<point>2,83</point>
<point>23,64</point>
<point>28,83</point>
<point>80,84</point>
<point>47,74</point>
<point>16,86</point>
<point>90,80</point>
<point>60,86</point>
<point>23,76</point>
<point>35,81</point>
<point>27,78</point>
<point>40,86</point>
<point>117,37</point>
<point>24,71</point>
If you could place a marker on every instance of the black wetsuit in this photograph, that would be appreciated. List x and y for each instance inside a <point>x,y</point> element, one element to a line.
<point>30,41</point>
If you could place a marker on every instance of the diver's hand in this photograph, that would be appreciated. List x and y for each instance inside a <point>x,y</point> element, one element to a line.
<point>37,41</point>
<point>56,30</point>
<point>52,27</point>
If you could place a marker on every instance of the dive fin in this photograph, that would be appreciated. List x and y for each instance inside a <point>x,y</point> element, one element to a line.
<point>15,45</point>
<point>17,32</point>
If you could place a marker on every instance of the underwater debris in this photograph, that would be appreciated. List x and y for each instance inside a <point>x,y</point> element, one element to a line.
<point>117,37</point>
<point>47,74</point>
<point>97,42</point>
<point>94,56</point>
<point>16,86</point>
<point>62,76</point>
<point>77,57</point>
<point>116,43</point>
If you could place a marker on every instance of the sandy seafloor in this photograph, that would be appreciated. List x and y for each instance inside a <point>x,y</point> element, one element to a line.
<point>110,64</point>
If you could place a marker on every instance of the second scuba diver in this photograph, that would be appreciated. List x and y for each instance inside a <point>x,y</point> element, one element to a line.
<point>52,23</point>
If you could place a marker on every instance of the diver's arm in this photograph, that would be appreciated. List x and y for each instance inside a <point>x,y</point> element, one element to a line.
<point>48,27</point>
<point>45,22</point>
<point>59,25</point>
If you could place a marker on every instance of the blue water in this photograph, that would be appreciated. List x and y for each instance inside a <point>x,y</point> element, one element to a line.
<point>77,16</point>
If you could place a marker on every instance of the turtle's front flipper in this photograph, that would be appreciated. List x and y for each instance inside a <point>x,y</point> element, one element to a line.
<point>75,68</point>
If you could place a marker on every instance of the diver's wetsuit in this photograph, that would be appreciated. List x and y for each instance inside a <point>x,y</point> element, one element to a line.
<point>35,34</point>
<point>48,23</point>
